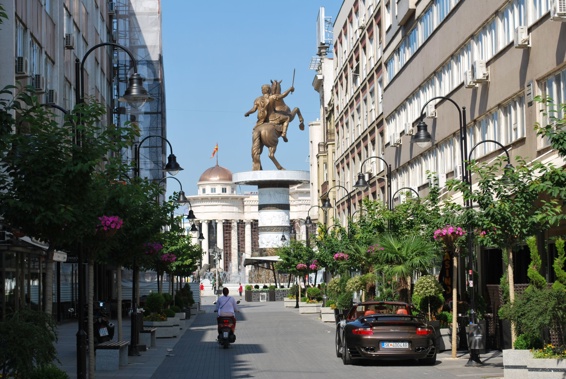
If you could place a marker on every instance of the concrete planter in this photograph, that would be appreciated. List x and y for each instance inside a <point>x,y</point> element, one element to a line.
<point>289,303</point>
<point>327,314</point>
<point>520,364</point>
<point>443,339</point>
<point>180,316</point>
<point>164,329</point>
<point>309,308</point>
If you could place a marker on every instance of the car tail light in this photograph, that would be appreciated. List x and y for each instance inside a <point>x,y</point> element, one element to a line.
<point>423,331</point>
<point>362,331</point>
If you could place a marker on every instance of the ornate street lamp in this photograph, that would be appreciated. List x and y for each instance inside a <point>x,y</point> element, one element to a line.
<point>401,189</point>
<point>361,183</point>
<point>423,139</point>
<point>137,95</point>
<point>326,205</point>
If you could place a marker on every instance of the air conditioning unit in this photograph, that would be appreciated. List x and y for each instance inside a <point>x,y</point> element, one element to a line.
<point>479,69</point>
<point>411,130</point>
<point>111,8</point>
<point>521,39</point>
<point>398,140</point>
<point>22,67</point>
<point>558,10</point>
<point>431,110</point>
<point>69,41</point>
<point>469,79</point>
<point>39,83</point>
<point>458,172</point>
<point>51,96</point>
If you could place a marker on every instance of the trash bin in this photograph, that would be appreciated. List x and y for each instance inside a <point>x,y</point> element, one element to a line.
<point>475,337</point>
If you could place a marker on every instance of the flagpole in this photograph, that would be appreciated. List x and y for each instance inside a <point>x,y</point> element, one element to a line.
<point>217,153</point>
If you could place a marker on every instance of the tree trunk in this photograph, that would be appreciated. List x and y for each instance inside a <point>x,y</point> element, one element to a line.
<point>49,281</point>
<point>119,302</point>
<point>511,281</point>
<point>454,303</point>
<point>90,328</point>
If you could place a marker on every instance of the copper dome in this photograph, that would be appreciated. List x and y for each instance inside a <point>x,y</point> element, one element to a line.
<point>216,174</point>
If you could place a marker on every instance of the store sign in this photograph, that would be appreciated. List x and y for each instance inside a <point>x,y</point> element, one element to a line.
<point>59,256</point>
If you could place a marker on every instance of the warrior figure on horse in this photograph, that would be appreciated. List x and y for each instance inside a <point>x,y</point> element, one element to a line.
<point>273,118</point>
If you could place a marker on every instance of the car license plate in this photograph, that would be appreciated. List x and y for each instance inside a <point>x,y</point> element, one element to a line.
<point>103,332</point>
<point>394,345</point>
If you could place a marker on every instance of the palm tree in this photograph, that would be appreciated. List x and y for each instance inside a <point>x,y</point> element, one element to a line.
<point>402,257</point>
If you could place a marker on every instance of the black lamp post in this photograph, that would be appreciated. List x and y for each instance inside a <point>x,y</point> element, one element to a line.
<point>423,139</point>
<point>326,205</point>
<point>136,95</point>
<point>401,189</point>
<point>172,168</point>
<point>363,184</point>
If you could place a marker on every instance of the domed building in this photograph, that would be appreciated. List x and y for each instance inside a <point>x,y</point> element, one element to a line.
<point>228,220</point>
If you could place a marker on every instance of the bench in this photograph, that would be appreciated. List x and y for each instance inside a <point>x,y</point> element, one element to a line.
<point>110,355</point>
<point>148,338</point>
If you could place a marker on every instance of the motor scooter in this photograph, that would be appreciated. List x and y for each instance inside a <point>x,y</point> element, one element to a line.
<point>226,324</point>
<point>103,328</point>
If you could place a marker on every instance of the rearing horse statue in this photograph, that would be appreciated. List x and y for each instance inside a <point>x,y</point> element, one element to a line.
<point>273,118</point>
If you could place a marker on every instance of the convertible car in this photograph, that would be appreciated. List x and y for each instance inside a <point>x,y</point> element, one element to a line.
<point>384,330</point>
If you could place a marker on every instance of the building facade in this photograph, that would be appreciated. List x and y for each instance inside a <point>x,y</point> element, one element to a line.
<point>41,43</point>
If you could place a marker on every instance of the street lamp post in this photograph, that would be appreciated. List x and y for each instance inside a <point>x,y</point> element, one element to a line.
<point>423,139</point>
<point>401,189</point>
<point>216,253</point>
<point>327,205</point>
<point>363,184</point>
<point>136,95</point>
<point>172,167</point>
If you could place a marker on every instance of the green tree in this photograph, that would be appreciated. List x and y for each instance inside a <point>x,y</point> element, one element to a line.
<point>52,188</point>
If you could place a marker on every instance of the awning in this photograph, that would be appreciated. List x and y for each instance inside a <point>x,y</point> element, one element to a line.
<point>258,260</point>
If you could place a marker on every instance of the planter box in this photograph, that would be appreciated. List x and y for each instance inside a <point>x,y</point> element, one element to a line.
<point>180,315</point>
<point>327,314</point>
<point>520,364</point>
<point>290,303</point>
<point>443,339</point>
<point>164,329</point>
<point>309,308</point>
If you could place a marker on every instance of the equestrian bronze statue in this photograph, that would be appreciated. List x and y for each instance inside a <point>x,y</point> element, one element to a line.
<point>273,118</point>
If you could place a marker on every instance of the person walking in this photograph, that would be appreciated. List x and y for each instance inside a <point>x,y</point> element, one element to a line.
<point>240,290</point>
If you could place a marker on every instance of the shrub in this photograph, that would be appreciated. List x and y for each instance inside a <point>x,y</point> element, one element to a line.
<point>169,312</point>
<point>427,295</point>
<point>168,300</point>
<point>175,309</point>
<point>154,302</point>
<point>27,341</point>
<point>48,372</point>
<point>527,342</point>
<point>314,293</point>
<point>265,286</point>
<point>344,300</point>
<point>184,297</point>
<point>256,286</point>
<point>248,287</point>
<point>271,287</point>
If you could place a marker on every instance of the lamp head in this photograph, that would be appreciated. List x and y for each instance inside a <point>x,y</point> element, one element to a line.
<point>194,228</point>
<point>182,199</point>
<point>422,138</point>
<point>172,167</point>
<point>361,182</point>
<point>326,204</point>
<point>136,95</point>
<point>191,215</point>
<point>283,238</point>
<point>200,237</point>
<point>308,220</point>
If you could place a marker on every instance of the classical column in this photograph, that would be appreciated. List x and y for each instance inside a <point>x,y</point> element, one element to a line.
<point>234,250</point>
<point>205,247</point>
<point>220,240</point>
<point>248,238</point>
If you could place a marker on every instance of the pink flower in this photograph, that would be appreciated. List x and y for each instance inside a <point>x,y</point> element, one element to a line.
<point>168,258</point>
<point>152,247</point>
<point>301,266</point>
<point>109,223</point>
<point>341,257</point>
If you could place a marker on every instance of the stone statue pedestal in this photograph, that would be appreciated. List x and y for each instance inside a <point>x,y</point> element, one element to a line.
<point>273,206</point>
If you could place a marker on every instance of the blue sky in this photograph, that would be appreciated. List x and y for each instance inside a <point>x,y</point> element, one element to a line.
<point>216,58</point>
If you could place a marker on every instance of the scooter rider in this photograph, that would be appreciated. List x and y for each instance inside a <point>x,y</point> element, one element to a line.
<point>227,307</point>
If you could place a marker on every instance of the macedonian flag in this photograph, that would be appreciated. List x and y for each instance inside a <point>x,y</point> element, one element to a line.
<point>214,151</point>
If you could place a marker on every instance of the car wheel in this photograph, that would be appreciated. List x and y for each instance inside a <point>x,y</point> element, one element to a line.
<point>338,344</point>
<point>346,357</point>
<point>429,361</point>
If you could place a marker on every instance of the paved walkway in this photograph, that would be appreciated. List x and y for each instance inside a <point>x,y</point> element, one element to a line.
<point>195,354</point>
